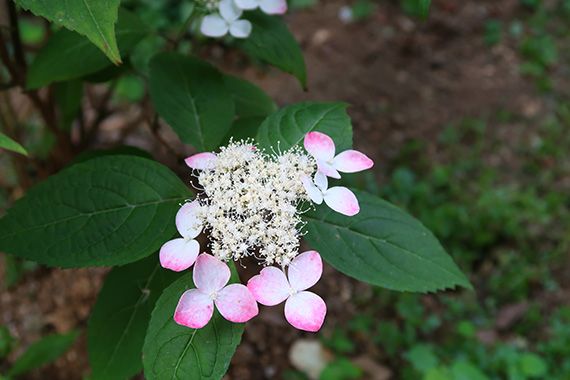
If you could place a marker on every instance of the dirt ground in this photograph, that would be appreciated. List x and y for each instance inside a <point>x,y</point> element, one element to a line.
<point>403,78</point>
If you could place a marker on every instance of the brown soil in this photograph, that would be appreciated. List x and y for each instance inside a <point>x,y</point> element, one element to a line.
<point>403,78</point>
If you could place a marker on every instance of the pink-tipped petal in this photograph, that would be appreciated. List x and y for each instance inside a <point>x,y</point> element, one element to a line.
<point>305,270</point>
<point>236,304</point>
<point>188,223</point>
<point>270,287</point>
<point>305,311</point>
<point>352,161</point>
<point>319,146</point>
<point>210,273</point>
<point>342,200</point>
<point>273,7</point>
<point>194,309</point>
<point>206,160</point>
<point>315,194</point>
<point>179,254</point>
<point>327,169</point>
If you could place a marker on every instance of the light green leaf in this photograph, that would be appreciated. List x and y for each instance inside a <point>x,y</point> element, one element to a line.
<point>384,246</point>
<point>67,55</point>
<point>533,365</point>
<point>271,41</point>
<point>42,352</point>
<point>190,95</point>
<point>249,100</point>
<point>94,19</point>
<point>288,126</point>
<point>172,351</point>
<point>110,210</point>
<point>123,311</point>
<point>9,144</point>
<point>464,370</point>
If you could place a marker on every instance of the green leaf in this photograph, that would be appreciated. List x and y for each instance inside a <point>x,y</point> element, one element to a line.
<point>464,370</point>
<point>68,96</point>
<point>288,126</point>
<point>422,357</point>
<point>249,99</point>
<point>123,311</point>
<point>67,55</point>
<point>341,369</point>
<point>271,41</point>
<point>9,144</point>
<point>190,95</point>
<point>172,351</point>
<point>94,19</point>
<point>42,352</point>
<point>110,210</point>
<point>533,365</point>
<point>384,246</point>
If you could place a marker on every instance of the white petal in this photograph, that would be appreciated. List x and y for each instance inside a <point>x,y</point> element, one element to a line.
<point>210,273</point>
<point>319,145</point>
<point>194,309</point>
<point>274,7</point>
<point>305,270</point>
<point>305,311</point>
<point>352,161</point>
<point>229,10</point>
<point>240,28</point>
<point>327,169</point>
<point>236,303</point>
<point>187,222</point>
<point>270,287</point>
<point>315,194</point>
<point>247,4</point>
<point>214,26</point>
<point>179,254</point>
<point>321,181</point>
<point>342,200</point>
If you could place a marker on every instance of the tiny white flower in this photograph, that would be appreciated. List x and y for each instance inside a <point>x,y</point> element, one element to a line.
<point>218,25</point>
<point>271,7</point>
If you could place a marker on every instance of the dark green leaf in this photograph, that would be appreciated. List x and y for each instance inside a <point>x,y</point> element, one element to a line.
<point>68,96</point>
<point>110,210</point>
<point>288,126</point>
<point>43,352</point>
<point>123,311</point>
<point>271,41</point>
<point>384,246</point>
<point>190,95</point>
<point>93,19</point>
<point>172,351</point>
<point>67,55</point>
<point>9,144</point>
<point>243,129</point>
<point>249,99</point>
<point>125,150</point>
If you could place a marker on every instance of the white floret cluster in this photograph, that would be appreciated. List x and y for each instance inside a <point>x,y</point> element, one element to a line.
<point>250,202</point>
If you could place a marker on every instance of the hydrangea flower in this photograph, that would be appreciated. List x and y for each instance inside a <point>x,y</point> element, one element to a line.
<point>322,148</point>
<point>250,205</point>
<point>196,306</point>
<point>303,309</point>
<point>338,198</point>
<point>270,7</point>
<point>218,25</point>
<point>179,254</point>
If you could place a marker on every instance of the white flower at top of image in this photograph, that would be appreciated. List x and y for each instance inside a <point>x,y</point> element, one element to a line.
<point>322,148</point>
<point>227,21</point>
<point>271,7</point>
<point>338,198</point>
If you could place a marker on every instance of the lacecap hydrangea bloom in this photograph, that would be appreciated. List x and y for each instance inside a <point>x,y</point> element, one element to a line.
<point>225,16</point>
<point>249,204</point>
